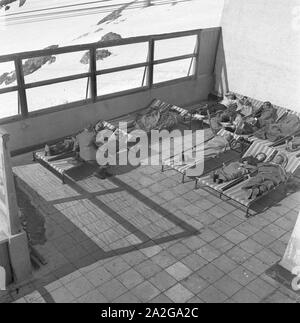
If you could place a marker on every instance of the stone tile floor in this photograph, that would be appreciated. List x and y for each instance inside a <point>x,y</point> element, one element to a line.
<point>142,236</point>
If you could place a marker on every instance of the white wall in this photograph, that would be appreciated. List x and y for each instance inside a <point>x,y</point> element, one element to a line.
<point>259,55</point>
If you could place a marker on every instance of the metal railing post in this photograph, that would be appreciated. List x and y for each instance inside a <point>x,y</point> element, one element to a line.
<point>197,65</point>
<point>150,61</point>
<point>93,67</point>
<point>21,87</point>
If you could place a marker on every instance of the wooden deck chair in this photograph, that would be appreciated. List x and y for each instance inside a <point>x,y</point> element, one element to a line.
<point>238,195</point>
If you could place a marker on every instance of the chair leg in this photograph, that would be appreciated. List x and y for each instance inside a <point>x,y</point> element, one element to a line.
<point>183,177</point>
<point>196,183</point>
<point>162,168</point>
<point>247,213</point>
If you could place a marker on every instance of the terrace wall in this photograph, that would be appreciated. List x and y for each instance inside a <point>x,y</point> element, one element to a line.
<point>259,53</point>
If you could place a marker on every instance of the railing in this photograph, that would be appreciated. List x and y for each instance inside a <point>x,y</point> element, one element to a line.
<point>93,73</point>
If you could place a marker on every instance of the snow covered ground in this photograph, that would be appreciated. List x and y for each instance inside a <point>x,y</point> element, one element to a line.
<point>69,31</point>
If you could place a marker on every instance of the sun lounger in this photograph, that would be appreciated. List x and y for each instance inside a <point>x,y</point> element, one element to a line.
<point>254,150</point>
<point>236,193</point>
<point>215,161</point>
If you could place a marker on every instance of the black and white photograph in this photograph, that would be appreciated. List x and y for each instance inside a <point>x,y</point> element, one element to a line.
<point>149,154</point>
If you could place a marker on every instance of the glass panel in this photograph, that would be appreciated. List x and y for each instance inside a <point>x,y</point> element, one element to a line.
<point>8,104</point>
<point>50,67</point>
<point>174,47</point>
<point>7,75</point>
<point>122,55</point>
<point>172,70</point>
<point>120,81</point>
<point>56,94</point>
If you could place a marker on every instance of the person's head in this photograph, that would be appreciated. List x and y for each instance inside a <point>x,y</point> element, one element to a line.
<point>99,126</point>
<point>225,118</point>
<point>228,137</point>
<point>230,96</point>
<point>89,127</point>
<point>279,159</point>
<point>247,103</point>
<point>261,157</point>
<point>267,104</point>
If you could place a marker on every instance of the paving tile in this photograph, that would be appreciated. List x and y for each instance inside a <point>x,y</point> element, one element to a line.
<point>112,289</point>
<point>268,257</point>
<point>218,211</point>
<point>208,252</point>
<point>220,227</point>
<point>161,299</point>
<point>163,280</point>
<point>212,295</point>
<point>225,264</point>
<point>195,300</point>
<point>151,251</point>
<point>227,285</point>
<point>79,286</point>
<point>235,236</point>
<point>194,283</point>
<point>210,273</point>
<point>128,297</point>
<point>130,278</point>
<point>194,242</point>
<point>278,247</point>
<point>116,266</point>
<point>246,296</point>
<point>94,296</point>
<point>247,229</point>
<point>251,246</point>
<point>194,262</point>
<point>242,275</point>
<point>179,294</point>
<point>260,288</point>
<point>274,231</point>
<point>147,268</point>
<point>62,295</point>
<point>145,291</point>
<point>133,258</point>
<point>164,259</point>
<point>255,265</point>
<point>263,238</point>
<point>179,271</point>
<point>208,235</point>
<point>222,244</point>
<point>98,276</point>
<point>278,297</point>
<point>179,251</point>
<point>207,219</point>
<point>238,255</point>
<point>205,204</point>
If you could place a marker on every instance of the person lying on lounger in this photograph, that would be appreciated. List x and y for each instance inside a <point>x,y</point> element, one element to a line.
<point>64,146</point>
<point>210,149</point>
<point>268,176</point>
<point>237,169</point>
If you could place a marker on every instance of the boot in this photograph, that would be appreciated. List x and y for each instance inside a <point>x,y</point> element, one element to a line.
<point>100,173</point>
